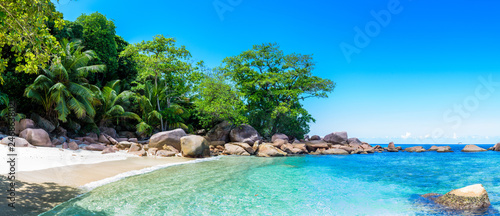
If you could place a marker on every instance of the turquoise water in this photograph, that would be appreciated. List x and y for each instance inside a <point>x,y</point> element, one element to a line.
<point>373,184</point>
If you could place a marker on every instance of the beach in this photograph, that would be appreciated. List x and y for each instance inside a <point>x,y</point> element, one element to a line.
<point>47,177</point>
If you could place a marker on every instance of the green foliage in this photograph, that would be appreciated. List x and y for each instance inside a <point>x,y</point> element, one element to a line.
<point>112,103</point>
<point>58,89</point>
<point>23,29</point>
<point>71,31</point>
<point>99,36</point>
<point>273,85</point>
<point>217,101</point>
<point>4,109</point>
<point>127,67</point>
<point>165,77</point>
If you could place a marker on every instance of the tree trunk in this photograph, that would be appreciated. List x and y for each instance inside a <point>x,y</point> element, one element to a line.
<point>158,101</point>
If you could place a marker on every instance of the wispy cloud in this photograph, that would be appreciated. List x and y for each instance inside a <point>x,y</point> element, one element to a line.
<point>406,136</point>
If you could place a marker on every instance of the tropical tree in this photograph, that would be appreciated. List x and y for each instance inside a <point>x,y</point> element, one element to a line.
<point>112,103</point>
<point>58,89</point>
<point>165,75</point>
<point>23,29</point>
<point>274,84</point>
<point>217,100</point>
<point>99,35</point>
<point>150,116</point>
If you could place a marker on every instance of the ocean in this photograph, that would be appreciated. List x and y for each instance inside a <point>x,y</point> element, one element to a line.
<point>373,184</point>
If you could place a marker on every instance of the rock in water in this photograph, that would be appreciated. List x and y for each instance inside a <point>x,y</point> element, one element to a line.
<point>415,149</point>
<point>496,147</point>
<point>473,148</point>
<point>171,138</point>
<point>267,150</point>
<point>336,138</point>
<point>467,198</point>
<point>194,146</point>
<point>244,133</point>
<point>37,137</point>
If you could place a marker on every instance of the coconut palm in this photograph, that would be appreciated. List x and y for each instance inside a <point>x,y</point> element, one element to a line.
<point>111,103</point>
<point>58,89</point>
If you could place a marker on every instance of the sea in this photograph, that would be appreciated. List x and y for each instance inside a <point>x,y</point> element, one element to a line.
<point>365,184</point>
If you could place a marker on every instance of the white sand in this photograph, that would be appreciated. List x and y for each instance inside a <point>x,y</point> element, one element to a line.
<point>38,158</point>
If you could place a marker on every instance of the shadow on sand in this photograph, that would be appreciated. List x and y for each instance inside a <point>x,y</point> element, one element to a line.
<point>33,198</point>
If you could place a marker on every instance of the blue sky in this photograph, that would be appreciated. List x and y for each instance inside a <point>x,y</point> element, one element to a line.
<point>427,74</point>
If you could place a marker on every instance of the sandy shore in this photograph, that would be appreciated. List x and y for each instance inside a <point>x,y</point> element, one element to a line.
<point>47,177</point>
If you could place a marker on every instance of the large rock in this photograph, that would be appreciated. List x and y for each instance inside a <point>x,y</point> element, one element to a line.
<point>37,137</point>
<point>194,146</point>
<point>443,149</point>
<point>22,125</point>
<point>496,147</point>
<point>170,138</point>
<point>103,139</point>
<point>415,149</point>
<point>433,148</point>
<point>354,140</point>
<point>244,133</point>
<point>43,123</point>
<point>279,136</point>
<point>392,148</point>
<point>315,137</point>
<point>18,141</point>
<point>335,152</point>
<point>95,147</point>
<point>279,142</point>
<point>267,150</point>
<point>314,145</point>
<point>109,131</point>
<point>233,149</point>
<point>468,198</point>
<point>337,138</point>
<point>165,153</point>
<point>135,147</point>
<point>220,132</point>
<point>473,148</point>
<point>290,149</point>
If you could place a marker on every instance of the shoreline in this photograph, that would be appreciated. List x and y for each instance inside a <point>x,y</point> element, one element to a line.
<point>38,191</point>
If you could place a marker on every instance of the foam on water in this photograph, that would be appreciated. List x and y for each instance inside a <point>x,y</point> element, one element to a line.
<point>374,184</point>
<point>92,185</point>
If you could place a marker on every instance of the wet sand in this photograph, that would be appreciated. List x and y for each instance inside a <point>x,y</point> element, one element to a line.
<point>41,190</point>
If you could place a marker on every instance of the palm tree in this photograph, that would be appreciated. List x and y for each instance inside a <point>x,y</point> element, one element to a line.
<point>58,90</point>
<point>4,113</point>
<point>110,108</point>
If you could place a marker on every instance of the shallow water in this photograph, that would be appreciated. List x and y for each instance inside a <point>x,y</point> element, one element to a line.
<point>374,184</point>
